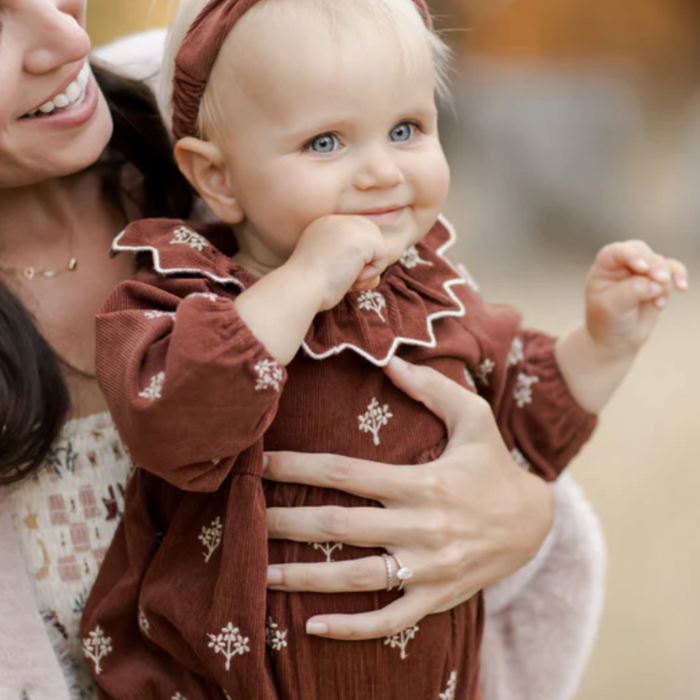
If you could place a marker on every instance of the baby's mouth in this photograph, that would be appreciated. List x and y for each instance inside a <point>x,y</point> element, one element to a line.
<point>73,96</point>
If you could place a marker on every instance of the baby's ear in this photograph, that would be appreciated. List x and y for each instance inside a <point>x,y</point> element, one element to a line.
<point>203,165</point>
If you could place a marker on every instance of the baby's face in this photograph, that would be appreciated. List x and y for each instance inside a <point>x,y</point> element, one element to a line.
<point>319,123</point>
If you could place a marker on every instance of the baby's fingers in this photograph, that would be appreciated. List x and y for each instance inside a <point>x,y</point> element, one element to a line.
<point>679,274</point>
<point>370,276</point>
<point>635,257</point>
<point>633,291</point>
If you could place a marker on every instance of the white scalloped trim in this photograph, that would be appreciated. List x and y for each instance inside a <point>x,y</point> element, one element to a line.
<point>117,247</point>
<point>447,286</point>
<point>337,349</point>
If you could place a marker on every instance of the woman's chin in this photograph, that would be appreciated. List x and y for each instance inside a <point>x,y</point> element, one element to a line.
<point>60,154</point>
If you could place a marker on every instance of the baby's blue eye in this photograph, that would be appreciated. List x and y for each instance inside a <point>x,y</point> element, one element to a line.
<point>402,132</point>
<point>325,143</point>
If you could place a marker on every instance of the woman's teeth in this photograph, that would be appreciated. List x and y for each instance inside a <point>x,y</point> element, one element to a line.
<point>72,97</point>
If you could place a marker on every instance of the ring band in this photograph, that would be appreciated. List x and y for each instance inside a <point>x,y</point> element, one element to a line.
<point>389,572</point>
<point>403,574</point>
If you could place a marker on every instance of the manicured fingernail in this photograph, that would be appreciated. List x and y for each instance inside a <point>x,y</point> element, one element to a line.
<point>662,276</point>
<point>316,627</point>
<point>265,463</point>
<point>398,362</point>
<point>655,289</point>
<point>274,576</point>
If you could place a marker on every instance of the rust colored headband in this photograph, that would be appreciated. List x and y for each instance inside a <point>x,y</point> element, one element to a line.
<point>197,55</point>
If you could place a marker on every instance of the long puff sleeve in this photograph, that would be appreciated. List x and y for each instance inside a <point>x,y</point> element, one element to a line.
<point>187,383</point>
<point>538,414</point>
<point>517,373</point>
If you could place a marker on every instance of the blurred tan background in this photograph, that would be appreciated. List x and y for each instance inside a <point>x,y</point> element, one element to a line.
<point>577,122</point>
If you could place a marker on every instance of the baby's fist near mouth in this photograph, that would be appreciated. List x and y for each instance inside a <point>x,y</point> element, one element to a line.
<point>626,288</point>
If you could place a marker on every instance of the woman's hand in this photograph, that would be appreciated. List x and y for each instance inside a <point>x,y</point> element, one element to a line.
<point>460,523</point>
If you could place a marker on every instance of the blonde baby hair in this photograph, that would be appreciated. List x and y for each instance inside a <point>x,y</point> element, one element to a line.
<point>342,15</point>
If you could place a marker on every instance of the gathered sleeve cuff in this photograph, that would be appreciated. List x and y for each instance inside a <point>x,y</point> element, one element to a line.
<point>188,384</point>
<point>538,415</point>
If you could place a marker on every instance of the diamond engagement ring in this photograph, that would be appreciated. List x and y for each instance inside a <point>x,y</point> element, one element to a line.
<point>403,574</point>
<point>389,571</point>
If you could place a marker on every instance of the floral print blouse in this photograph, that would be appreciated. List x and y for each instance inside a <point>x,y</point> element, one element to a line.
<point>65,517</point>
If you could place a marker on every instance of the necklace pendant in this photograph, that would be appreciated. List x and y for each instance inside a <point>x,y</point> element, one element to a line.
<point>72,265</point>
<point>29,272</point>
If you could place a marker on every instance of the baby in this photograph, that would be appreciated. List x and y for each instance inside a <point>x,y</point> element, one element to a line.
<point>309,127</point>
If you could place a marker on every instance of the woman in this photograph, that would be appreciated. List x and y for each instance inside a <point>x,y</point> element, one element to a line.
<point>68,184</point>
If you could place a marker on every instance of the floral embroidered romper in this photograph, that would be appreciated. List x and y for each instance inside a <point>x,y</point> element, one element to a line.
<point>180,608</point>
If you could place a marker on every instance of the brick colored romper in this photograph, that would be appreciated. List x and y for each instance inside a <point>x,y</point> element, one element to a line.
<point>180,608</point>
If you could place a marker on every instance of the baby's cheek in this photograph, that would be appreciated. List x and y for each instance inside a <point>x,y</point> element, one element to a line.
<point>435,181</point>
<point>441,180</point>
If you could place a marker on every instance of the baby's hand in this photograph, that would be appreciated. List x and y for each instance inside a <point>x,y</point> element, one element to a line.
<point>341,253</point>
<point>626,288</point>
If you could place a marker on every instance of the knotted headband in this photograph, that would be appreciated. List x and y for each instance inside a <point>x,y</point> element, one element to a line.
<point>198,52</point>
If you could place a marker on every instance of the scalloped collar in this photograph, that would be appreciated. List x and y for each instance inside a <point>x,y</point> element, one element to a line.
<point>412,295</point>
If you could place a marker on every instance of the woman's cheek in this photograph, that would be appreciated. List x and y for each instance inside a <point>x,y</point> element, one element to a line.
<point>8,100</point>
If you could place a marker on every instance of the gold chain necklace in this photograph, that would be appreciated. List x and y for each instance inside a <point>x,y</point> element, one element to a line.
<point>31,272</point>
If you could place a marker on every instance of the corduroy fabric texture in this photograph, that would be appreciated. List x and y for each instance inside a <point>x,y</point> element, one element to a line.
<point>182,596</point>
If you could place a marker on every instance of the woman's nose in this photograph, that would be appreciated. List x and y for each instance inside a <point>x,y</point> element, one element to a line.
<point>55,33</point>
<point>378,170</point>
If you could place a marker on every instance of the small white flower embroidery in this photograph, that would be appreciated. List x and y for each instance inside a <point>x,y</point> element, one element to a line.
<point>178,696</point>
<point>523,389</point>
<point>516,352</point>
<point>210,537</point>
<point>229,642</point>
<point>451,689</point>
<point>96,647</point>
<point>144,625</point>
<point>469,379</point>
<point>327,548</point>
<point>153,390</point>
<point>467,277</point>
<point>374,419</point>
<point>204,295</point>
<point>275,638</point>
<point>270,375</point>
<point>401,640</point>
<point>519,459</point>
<point>482,371</point>
<point>372,301</point>
<point>158,314</point>
<point>410,258</point>
<point>186,236</point>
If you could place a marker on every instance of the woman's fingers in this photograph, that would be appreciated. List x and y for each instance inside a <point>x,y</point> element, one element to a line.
<point>360,527</point>
<point>460,410</point>
<point>373,480</point>
<point>396,617</point>
<point>367,574</point>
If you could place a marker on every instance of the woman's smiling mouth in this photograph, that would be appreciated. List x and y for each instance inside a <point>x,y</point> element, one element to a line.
<point>73,96</point>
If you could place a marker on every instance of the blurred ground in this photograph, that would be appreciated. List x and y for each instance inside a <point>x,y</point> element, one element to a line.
<point>640,471</point>
<point>576,123</point>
